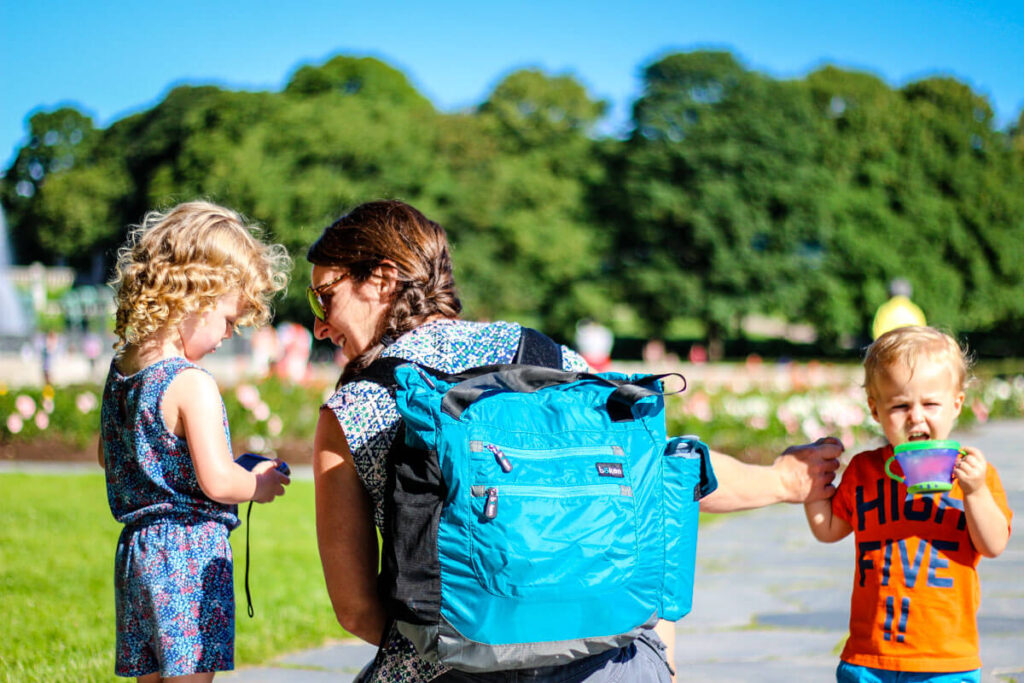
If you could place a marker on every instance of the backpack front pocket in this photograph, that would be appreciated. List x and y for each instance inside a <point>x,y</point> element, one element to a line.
<point>534,540</point>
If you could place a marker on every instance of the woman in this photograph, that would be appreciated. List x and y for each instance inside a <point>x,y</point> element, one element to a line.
<point>382,286</point>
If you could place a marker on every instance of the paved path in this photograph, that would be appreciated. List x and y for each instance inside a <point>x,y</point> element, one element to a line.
<point>771,604</point>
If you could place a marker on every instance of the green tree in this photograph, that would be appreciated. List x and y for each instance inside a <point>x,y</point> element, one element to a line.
<point>718,195</point>
<point>58,188</point>
<point>975,280</point>
<point>522,164</point>
<point>366,78</point>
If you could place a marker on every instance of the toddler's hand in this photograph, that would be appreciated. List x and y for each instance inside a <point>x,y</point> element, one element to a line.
<point>269,482</point>
<point>970,470</point>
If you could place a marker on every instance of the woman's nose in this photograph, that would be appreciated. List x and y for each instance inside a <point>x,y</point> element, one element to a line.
<point>320,330</point>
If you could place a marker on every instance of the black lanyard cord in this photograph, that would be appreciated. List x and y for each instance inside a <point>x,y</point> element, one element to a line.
<point>248,596</point>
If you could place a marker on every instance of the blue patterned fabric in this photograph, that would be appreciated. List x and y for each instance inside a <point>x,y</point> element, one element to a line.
<point>174,593</point>
<point>173,570</point>
<point>368,416</point>
<point>149,469</point>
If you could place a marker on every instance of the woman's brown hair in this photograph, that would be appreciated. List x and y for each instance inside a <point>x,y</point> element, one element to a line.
<point>375,232</point>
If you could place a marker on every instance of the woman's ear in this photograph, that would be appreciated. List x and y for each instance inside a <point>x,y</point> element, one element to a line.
<point>385,279</point>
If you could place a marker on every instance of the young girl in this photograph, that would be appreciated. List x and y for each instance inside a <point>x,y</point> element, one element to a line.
<point>184,280</point>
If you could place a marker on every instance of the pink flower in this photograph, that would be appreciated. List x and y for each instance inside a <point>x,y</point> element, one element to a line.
<point>25,405</point>
<point>42,420</point>
<point>699,406</point>
<point>247,395</point>
<point>275,425</point>
<point>261,411</point>
<point>86,402</point>
<point>813,429</point>
<point>14,423</point>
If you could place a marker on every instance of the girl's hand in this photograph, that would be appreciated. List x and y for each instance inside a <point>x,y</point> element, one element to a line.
<point>269,482</point>
<point>970,470</point>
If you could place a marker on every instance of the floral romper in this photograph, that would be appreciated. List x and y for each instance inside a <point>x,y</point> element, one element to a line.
<point>173,576</point>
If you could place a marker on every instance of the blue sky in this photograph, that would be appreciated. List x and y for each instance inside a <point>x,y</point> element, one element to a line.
<point>115,57</point>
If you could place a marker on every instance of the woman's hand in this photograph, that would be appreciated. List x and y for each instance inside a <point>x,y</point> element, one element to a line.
<point>807,470</point>
<point>801,474</point>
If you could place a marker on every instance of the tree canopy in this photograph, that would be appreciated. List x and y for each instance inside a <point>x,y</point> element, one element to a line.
<point>736,193</point>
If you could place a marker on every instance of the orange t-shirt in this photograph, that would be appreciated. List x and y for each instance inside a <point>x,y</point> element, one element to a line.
<point>915,587</point>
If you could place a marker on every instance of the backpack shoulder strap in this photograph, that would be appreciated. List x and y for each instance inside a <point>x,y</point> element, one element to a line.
<point>536,348</point>
<point>382,372</point>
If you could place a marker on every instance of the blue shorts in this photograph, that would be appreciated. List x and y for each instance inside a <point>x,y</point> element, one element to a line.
<point>174,593</point>
<point>851,673</point>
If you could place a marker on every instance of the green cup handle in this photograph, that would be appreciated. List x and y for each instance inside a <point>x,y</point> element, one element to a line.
<point>888,463</point>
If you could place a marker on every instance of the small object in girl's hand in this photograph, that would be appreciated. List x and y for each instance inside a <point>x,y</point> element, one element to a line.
<point>250,460</point>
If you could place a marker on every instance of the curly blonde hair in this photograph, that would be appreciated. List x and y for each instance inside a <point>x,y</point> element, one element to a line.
<point>182,261</point>
<point>905,345</point>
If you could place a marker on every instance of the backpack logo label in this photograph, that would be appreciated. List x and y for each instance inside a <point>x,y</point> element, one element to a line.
<point>610,469</point>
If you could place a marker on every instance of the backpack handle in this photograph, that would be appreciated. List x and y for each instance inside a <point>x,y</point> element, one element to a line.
<point>472,385</point>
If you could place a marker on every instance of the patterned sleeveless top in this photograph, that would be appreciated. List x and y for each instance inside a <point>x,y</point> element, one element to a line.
<point>368,416</point>
<point>149,469</point>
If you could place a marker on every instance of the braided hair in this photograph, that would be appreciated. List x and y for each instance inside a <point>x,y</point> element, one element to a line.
<point>361,240</point>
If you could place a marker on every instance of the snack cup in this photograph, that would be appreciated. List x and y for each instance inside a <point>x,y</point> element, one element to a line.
<point>927,465</point>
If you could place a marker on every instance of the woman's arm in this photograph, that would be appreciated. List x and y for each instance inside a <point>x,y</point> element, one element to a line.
<point>666,630</point>
<point>801,474</point>
<point>192,406</point>
<point>345,533</point>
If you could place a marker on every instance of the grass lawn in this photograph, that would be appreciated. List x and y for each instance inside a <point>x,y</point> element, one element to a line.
<point>57,542</point>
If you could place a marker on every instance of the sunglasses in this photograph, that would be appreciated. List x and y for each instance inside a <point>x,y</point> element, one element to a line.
<point>314,295</point>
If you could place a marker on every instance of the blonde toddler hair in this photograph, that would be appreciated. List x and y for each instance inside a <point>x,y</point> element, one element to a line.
<point>182,261</point>
<point>905,345</point>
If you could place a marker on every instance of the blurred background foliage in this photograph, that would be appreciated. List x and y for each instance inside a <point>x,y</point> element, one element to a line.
<point>733,194</point>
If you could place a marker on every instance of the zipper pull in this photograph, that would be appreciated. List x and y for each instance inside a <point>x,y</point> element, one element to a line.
<point>491,505</point>
<point>425,376</point>
<point>503,461</point>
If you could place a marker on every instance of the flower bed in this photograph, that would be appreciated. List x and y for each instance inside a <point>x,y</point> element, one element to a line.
<point>758,422</point>
<point>753,419</point>
<point>268,416</point>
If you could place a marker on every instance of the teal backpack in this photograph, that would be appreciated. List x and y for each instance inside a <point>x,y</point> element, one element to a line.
<point>535,516</point>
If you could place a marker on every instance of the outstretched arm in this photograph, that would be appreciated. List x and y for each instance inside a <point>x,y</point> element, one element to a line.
<point>801,474</point>
<point>345,532</point>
